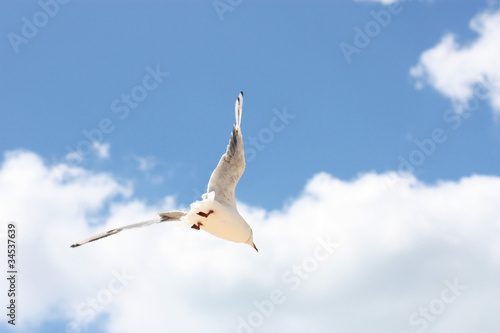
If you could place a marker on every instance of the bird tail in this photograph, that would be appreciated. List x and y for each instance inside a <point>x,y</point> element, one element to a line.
<point>172,216</point>
<point>238,107</point>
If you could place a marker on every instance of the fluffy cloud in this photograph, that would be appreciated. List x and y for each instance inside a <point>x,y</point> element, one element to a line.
<point>349,256</point>
<point>455,70</point>
<point>101,149</point>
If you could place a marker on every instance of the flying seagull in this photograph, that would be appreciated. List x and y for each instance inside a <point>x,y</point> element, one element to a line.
<point>216,213</point>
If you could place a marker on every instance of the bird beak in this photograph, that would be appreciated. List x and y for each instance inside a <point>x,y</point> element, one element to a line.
<point>255,247</point>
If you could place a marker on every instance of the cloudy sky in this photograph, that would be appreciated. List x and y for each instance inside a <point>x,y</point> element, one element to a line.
<point>372,137</point>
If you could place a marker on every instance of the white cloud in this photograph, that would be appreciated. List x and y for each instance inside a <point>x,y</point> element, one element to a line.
<point>102,149</point>
<point>146,165</point>
<point>456,70</point>
<point>398,246</point>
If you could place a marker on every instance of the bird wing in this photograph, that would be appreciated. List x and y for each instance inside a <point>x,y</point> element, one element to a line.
<point>165,217</point>
<point>231,165</point>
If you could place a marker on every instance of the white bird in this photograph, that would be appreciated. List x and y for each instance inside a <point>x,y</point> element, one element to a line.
<point>217,212</point>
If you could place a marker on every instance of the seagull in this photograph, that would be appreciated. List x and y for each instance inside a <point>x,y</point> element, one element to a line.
<point>216,213</point>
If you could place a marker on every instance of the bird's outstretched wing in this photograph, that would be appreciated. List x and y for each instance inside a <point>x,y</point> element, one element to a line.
<point>165,217</point>
<point>231,165</point>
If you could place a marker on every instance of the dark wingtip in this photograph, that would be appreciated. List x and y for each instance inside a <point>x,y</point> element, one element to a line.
<point>241,92</point>
<point>75,245</point>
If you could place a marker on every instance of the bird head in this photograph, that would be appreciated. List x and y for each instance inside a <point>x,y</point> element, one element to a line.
<point>251,243</point>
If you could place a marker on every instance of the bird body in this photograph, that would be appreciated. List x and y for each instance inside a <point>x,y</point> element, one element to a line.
<point>216,213</point>
<point>224,221</point>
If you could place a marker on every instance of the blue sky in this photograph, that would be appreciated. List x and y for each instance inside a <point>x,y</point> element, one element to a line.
<point>350,118</point>
<point>309,108</point>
